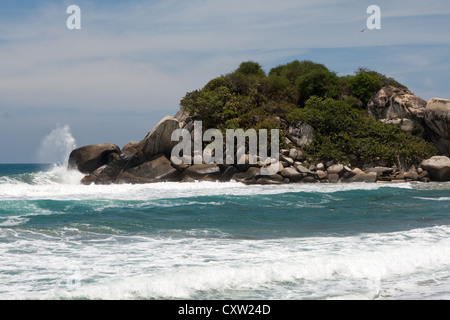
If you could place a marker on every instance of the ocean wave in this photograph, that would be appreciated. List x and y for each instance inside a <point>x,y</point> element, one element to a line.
<point>56,175</point>
<point>367,266</point>
<point>58,183</point>
<point>434,199</point>
<point>13,221</point>
<point>431,186</point>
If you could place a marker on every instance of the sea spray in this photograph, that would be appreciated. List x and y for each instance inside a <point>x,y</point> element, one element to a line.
<point>55,148</point>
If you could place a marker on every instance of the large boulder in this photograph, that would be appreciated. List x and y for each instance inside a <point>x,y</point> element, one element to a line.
<point>437,118</point>
<point>134,153</point>
<point>399,106</point>
<point>202,171</point>
<point>159,140</point>
<point>270,180</point>
<point>438,168</point>
<point>304,171</point>
<point>89,158</point>
<point>92,177</point>
<point>247,177</point>
<point>292,174</point>
<point>370,177</point>
<point>336,169</point>
<point>111,171</point>
<point>228,174</point>
<point>131,156</point>
<point>157,169</point>
<point>380,171</point>
<point>300,133</point>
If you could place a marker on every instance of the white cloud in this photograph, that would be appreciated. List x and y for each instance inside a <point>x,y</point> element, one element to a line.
<point>148,54</point>
<point>143,56</point>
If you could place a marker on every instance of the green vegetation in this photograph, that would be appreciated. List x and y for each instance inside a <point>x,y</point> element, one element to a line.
<point>365,83</point>
<point>343,131</point>
<point>306,91</point>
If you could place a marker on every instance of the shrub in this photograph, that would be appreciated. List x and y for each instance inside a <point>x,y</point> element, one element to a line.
<point>293,70</point>
<point>366,83</point>
<point>318,82</point>
<point>309,92</point>
<point>251,68</point>
<point>305,79</point>
<point>363,86</point>
<point>278,89</point>
<point>343,130</point>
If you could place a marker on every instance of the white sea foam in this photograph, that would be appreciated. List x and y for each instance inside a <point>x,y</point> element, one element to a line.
<point>61,184</point>
<point>57,264</point>
<point>434,199</point>
<point>366,266</point>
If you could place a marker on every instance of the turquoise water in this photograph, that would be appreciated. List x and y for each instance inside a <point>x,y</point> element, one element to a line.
<point>63,240</point>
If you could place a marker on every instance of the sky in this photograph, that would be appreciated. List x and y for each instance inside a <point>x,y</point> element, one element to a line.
<point>132,62</point>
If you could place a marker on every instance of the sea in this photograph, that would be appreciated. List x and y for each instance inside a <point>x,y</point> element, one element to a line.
<point>62,240</point>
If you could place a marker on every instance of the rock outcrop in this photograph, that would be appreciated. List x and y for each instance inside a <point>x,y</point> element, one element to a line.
<point>438,167</point>
<point>201,171</point>
<point>89,158</point>
<point>112,170</point>
<point>430,121</point>
<point>399,106</point>
<point>125,168</point>
<point>437,118</point>
<point>184,117</point>
<point>138,162</point>
<point>159,139</point>
<point>157,169</point>
<point>148,161</point>
<point>301,134</point>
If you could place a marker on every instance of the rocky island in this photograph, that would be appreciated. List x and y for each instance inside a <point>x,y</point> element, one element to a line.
<point>361,128</point>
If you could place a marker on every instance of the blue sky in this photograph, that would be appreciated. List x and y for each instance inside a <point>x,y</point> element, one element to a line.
<point>132,61</point>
